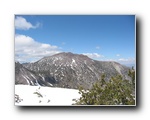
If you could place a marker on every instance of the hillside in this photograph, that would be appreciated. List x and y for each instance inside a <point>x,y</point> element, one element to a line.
<point>67,70</point>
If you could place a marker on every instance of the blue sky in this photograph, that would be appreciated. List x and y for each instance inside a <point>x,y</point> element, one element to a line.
<point>101,37</point>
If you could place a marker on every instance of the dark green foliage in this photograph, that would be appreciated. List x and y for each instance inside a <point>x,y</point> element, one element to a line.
<point>17,99</point>
<point>131,73</point>
<point>114,92</point>
<point>39,94</point>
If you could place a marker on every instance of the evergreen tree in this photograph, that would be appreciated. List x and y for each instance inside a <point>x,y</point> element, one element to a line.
<point>131,73</point>
<point>114,92</point>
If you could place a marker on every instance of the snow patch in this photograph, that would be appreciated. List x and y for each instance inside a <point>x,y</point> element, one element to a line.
<point>33,76</point>
<point>90,68</point>
<point>32,83</point>
<point>47,96</point>
<point>73,61</point>
<point>50,84</point>
<point>118,69</point>
<point>26,79</point>
<point>37,83</point>
<point>42,77</point>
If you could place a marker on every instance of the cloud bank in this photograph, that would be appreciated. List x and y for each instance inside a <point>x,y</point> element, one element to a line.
<point>97,47</point>
<point>118,55</point>
<point>93,55</point>
<point>126,60</point>
<point>29,50</point>
<point>22,24</point>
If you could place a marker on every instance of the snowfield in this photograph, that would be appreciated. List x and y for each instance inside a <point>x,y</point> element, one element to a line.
<point>45,96</point>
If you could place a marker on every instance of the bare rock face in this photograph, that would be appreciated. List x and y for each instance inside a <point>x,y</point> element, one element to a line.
<point>28,77</point>
<point>67,70</point>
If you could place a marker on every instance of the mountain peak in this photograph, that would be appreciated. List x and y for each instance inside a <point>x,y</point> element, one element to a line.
<point>69,70</point>
<point>70,54</point>
<point>65,58</point>
<point>66,54</point>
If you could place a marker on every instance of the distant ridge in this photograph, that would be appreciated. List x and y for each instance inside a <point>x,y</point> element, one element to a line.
<point>67,70</point>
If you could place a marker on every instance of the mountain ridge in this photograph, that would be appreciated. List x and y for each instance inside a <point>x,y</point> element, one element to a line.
<point>69,70</point>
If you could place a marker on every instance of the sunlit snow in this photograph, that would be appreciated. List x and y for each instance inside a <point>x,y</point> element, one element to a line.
<point>50,95</point>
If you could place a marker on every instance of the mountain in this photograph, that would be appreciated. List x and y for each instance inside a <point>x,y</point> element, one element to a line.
<point>67,70</point>
<point>28,77</point>
<point>130,65</point>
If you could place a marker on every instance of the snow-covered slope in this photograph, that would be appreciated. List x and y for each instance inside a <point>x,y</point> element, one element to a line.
<point>45,96</point>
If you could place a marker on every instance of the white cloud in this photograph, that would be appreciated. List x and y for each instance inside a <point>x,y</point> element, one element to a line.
<point>22,24</point>
<point>122,59</point>
<point>117,55</point>
<point>126,60</point>
<point>27,49</point>
<point>97,47</point>
<point>109,60</point>
<point>63,43</point>
<point>93,55</point>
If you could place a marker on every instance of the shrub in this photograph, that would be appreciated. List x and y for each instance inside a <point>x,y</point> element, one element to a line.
<point>114,92</point>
